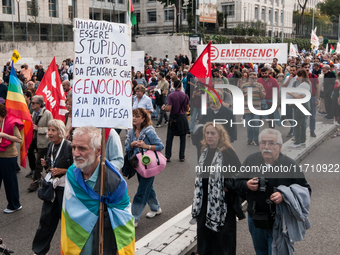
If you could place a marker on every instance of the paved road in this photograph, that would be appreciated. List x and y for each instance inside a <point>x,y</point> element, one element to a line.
<point>174,189</point>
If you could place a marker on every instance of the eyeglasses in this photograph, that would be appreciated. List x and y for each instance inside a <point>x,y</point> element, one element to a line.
<point>211,102</point>
<point>270,143</point>
<point>33,103</point>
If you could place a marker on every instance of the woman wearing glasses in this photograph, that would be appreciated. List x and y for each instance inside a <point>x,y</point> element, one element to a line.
<point>216,203</point>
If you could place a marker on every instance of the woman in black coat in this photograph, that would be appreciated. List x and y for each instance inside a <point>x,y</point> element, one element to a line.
<point>216,203</point>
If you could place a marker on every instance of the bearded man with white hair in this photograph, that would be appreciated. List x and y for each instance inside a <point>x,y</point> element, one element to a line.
<point>261,182</point>
<point>80,227</point>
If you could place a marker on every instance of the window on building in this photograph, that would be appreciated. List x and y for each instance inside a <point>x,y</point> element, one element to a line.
<point>30,7</point>
<point>121,1</point>
<point>281,16</point>
<point>72,10</point>
<point>229,9</point>
<point>52,8</point>
<point>151,0</point>
<point>276,17</point>
<point>169,15</point>
<point>270,13</point>
<point>282,1</point>
<point>263,14</point>
<point>135,1</point>
<point>7,7</point>
<point>256,12</point>
<point>111,1</point>
<point>152,16</point>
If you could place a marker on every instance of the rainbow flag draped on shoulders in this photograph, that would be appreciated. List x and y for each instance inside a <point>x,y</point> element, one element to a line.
<point>80,214</point>
<point>16,106</point>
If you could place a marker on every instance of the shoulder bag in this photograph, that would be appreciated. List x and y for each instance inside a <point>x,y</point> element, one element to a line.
<point>150,163</point>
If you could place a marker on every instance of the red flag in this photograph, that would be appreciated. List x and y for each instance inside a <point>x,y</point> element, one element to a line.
<point>332,48</point>
<point>202,69</point>
<point>52,91</point>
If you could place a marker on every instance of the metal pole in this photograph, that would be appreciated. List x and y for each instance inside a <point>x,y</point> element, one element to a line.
<point>38,21</point>
<point>167,14</point>
<point>271,38</point>
<point>339,29</point>
<point>101,10</point>
<point>62,20</point>
<point>283,20</point>
<point>51,29</point>
<point>195,16</point>
<point>12,10</point>
<point>102,188</point>
<point>313,20</point>
<point>26,24</point>
<point>19,13</point>
<point>179,16</point>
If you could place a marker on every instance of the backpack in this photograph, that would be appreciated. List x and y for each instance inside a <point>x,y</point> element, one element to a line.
<point>159,99</point>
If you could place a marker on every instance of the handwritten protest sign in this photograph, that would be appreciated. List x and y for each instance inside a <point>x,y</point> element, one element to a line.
<point>254,53</point>
<point>102,87</point>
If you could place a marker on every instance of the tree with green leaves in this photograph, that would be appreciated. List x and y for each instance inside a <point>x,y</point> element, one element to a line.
<point>330,7</point>
<point>34,11</point>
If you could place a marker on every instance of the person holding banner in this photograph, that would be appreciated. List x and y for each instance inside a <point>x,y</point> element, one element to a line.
<point>143,137</point>
<point>79,220</point>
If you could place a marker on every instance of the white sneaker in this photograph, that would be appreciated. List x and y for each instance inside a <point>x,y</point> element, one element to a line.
<point>294,146</point>
<point>12,211</point>
<point>135,224</point>
<point>153,213</point>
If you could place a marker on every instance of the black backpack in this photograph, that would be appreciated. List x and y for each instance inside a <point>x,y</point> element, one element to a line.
<point>159,99</point>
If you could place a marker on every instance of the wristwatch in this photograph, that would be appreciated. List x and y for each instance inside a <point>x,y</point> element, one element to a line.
<point>149,147</point>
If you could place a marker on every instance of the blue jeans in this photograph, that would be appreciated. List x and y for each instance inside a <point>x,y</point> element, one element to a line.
<point>313,112</point>
<point>252,132</point>
<point>145,194</point>
<point>262,238</point>
<point>194,111</point>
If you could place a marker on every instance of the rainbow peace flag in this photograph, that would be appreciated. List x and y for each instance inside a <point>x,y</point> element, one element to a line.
<point>16,106</point>
<point>80,214</point>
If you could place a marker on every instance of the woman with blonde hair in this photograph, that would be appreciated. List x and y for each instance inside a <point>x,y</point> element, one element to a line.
<point>216,203</point>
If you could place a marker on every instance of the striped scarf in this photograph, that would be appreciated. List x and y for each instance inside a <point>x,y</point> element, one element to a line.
<point>80,214</point>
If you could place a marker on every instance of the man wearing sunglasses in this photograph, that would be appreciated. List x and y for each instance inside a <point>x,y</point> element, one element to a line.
<point>40,116</point>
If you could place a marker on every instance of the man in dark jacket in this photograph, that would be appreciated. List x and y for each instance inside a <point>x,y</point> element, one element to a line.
<point>40,73</point>
<point>259,186</point>
<point>328,84</point>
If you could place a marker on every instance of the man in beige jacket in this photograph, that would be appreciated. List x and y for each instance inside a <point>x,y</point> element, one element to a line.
<point>40,116</point>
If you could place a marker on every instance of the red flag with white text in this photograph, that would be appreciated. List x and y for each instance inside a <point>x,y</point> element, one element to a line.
<point>202,69</point>
<point>51,89</point>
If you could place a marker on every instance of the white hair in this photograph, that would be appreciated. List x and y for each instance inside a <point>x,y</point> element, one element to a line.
<point>269,131</point>
<point>58,124</point>
<point>94,134</point>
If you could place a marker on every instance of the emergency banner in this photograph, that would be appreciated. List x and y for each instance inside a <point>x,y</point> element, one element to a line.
<point>102,87</point>
<point>246,53</point>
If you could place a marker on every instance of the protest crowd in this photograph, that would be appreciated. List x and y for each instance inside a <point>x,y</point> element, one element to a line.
<point>166,94</point>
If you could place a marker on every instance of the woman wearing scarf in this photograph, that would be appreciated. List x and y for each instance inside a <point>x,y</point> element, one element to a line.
<point>57,160</point>
<point>216,204</point>
<point>143,137</point>
<point>9,135</point>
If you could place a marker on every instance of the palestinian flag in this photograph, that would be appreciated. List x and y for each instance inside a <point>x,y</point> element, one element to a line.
<point>332,49</point>
<point>80,214</point>
<point>131,18</point>
<point>16,106</point>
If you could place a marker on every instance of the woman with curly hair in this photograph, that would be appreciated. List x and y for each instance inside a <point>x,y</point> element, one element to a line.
<point>216,203</point>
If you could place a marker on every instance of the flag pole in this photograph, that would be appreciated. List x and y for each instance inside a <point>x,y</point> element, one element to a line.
<point>102,188</point>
